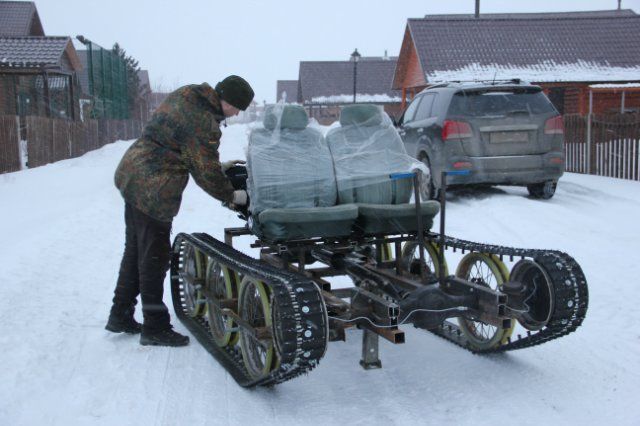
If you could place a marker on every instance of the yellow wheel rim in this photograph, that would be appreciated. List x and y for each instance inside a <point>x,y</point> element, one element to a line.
<point>254,306</point>
<point>193,267</point>
<point>432,252</point>
<point>221,283</point>
<point>489,270</point>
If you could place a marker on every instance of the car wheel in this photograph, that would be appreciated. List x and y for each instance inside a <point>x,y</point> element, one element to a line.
<point>543,190</point>
<point>427,189</point>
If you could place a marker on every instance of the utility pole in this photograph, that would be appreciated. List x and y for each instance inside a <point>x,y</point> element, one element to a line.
<point>478,8</point>
<point>619,4</point>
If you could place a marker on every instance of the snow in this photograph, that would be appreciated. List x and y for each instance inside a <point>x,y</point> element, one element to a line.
<point>544,72</point>
<point>360,97</point>
<point>63,232</point>
<point>615,86</point>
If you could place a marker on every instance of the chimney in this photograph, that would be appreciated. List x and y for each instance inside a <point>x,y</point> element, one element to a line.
<point>386,57</point>
<point>619,4</point>
<point>477,9</point>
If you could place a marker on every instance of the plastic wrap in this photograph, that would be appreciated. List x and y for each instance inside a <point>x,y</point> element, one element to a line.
<point>289,164</point>
<point>366,150</point>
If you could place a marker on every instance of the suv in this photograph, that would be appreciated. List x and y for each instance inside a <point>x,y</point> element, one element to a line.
<point>505,133</point>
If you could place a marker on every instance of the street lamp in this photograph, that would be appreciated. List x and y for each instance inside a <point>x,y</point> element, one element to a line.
<point>355,56</point>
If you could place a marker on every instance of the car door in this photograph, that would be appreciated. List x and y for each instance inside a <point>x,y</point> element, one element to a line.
<point>422,126</point>
<point>407,132</point>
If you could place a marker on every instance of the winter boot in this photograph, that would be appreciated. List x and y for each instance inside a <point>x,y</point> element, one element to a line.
<point>166,337</point>
<point>121,321</point>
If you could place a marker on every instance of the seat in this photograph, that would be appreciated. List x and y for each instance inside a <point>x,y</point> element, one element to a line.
<point>291,181</point>
<point>366,151</point>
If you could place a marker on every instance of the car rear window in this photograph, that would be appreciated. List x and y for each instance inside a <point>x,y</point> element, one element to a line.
<point>500,102</point>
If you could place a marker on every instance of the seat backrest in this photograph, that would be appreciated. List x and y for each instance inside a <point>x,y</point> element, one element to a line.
<point>366,149</point>
<point>289,164</point>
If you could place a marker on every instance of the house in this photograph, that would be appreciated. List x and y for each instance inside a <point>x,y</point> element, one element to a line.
<point>38,77</point>
<point>37,73</point>
<point>287,91</point>
<point>19,19</point>
<point>574,56</point>
<point>325,85</point>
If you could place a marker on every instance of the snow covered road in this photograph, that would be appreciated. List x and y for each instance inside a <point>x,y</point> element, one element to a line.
<point>62,230</point>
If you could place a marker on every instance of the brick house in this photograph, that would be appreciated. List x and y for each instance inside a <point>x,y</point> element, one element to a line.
<point>325,85</point>
<point>572,55</point>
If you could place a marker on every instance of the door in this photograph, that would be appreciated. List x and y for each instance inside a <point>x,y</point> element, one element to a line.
<point>407,131</point>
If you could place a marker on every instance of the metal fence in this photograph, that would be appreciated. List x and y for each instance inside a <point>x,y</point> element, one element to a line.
<point>108,86</point>
<point>50,140</point>
<point>603,145</point>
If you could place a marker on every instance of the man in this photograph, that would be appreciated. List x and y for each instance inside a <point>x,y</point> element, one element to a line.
<point>181,138</point>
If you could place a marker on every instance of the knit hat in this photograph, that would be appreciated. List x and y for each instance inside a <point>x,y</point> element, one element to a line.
<point>236,91</point>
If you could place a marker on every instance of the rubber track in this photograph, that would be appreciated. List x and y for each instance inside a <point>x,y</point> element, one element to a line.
<point>302,322</point>
<point>569,286</point>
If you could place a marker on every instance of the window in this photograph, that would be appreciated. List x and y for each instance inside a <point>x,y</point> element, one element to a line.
<point>411,110</point>
<point>424,110</point>
<point>500,103</point>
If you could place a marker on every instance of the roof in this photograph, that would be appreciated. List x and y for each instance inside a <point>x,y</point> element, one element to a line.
<point>19,19</point>
<point>330,81</point>
<point>571,46</point>
<point>37,52</point>
<point>288,87</point>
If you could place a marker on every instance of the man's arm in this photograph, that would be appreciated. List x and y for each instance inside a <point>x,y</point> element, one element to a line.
<point>203,161</point>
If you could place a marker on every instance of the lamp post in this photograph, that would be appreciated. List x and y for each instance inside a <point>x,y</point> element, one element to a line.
<point>355,56</point>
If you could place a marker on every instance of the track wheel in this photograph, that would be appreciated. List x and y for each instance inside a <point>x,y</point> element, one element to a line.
<point>222,284</point>
<point>487,270</point>
<point>411,258</point>
<point>540,294</point>
<point>193,270</point>
<point>257,345</point>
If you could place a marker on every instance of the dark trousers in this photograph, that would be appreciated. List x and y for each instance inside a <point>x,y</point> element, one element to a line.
<point>147,252</point>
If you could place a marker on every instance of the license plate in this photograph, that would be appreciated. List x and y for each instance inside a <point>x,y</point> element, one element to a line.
<point>502,137</point>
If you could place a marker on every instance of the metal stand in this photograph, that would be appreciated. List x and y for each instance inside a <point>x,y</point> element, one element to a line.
<point>370,358</point>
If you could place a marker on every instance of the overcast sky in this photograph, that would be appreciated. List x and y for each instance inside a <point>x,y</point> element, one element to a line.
<point>191,41</point>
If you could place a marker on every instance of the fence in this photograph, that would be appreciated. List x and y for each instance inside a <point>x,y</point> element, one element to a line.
<point>49,140</point>
<point>9,144</point>
<point>614,149</point>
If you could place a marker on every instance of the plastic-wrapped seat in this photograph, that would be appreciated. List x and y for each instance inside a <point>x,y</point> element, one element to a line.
<point>291,180</point>
<point>366,151</point>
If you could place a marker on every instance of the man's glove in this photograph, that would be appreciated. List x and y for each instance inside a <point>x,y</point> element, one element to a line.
<point>226,165</point>
<point>239,198</point>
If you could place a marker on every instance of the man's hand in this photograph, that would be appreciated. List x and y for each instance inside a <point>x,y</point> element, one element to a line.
<point>239,198</point>
<point>226,165</point>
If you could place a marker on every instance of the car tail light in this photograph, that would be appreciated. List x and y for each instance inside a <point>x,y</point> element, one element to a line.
<point>554,126</point>
<point>462,165</point>
<point>455,130</point>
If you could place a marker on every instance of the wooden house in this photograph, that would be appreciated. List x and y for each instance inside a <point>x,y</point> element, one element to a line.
<point>37,72</point>
<point>581,59</point>
<point>323,86</point>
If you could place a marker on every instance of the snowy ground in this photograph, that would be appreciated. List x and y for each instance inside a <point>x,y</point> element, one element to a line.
<point>62,229</point>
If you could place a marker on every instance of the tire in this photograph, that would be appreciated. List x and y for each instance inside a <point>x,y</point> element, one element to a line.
<point>490,271</point>
<point>543,190</point>
<point>427,188</point>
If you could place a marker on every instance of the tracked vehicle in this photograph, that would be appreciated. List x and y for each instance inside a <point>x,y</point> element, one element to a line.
<point>343,247</point>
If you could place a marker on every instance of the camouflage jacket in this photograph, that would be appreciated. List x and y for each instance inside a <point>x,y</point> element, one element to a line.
<point>181,138</point>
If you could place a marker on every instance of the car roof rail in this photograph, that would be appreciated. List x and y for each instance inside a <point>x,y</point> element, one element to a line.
<point>489,82</point>
<point>443,84</point>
